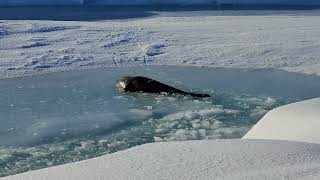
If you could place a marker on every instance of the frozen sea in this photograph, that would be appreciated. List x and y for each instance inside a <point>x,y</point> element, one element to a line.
<point>52,119</point>
<point>38,40</point>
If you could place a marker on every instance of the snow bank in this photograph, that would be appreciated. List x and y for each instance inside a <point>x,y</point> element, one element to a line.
<point>295,122</point>
<point>246,159</point>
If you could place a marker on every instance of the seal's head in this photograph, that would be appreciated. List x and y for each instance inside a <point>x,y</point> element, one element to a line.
<point>124,83</point>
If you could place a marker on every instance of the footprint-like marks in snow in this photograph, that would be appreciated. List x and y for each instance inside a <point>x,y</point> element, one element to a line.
<point>34,44</point>
<point>3,32</point>
<point>117,41</point>
<point>46,29</point>
<point>153,49</point>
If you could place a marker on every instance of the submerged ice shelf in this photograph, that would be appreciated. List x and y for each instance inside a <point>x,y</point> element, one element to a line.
<point>59,118</point>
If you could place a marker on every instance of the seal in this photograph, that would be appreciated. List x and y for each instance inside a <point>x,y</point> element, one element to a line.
<point>147,85</point>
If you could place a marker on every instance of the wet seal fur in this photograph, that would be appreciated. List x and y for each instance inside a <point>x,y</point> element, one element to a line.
<point>147,85</point>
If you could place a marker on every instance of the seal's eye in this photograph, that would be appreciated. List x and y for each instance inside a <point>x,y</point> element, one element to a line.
<point>121,85</point>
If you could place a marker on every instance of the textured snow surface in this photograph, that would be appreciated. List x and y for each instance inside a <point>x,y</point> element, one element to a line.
<point>218,159</point>
<point>296,122</point>
<point>288,40</point>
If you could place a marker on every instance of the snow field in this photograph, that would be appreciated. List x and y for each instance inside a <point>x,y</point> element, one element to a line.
<point>217,39</point>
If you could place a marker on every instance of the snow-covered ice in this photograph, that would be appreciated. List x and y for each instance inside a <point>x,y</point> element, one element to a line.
<point>303,117</point>
<point>208,159</point>
<point>286,40</point>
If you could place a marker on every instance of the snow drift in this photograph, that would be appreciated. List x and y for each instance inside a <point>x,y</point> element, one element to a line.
<point>246,159</point>
<point>294,122</point>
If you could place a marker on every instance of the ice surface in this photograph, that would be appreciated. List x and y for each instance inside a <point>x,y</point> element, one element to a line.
<point>64,117</point>
<point>248,39</point>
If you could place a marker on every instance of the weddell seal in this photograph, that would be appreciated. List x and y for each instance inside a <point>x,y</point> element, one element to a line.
<point>147,85</point>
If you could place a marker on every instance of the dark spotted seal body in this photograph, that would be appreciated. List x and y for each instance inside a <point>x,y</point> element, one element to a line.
<point>147,85</point>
